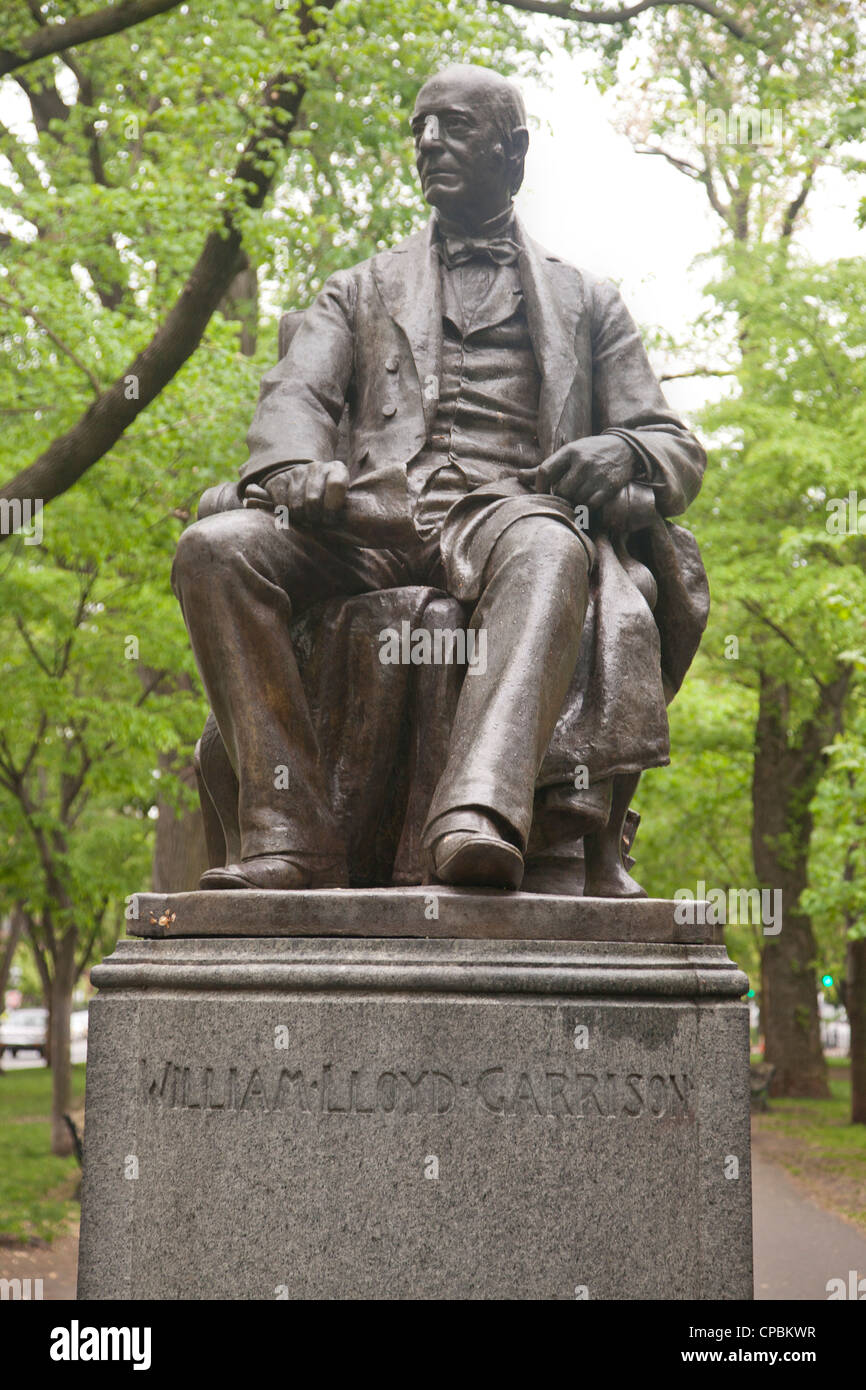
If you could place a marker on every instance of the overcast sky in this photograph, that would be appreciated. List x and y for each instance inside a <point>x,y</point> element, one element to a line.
<point>589,198</point>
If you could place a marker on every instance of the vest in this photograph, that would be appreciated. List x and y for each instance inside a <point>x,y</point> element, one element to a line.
<point>487,418</point>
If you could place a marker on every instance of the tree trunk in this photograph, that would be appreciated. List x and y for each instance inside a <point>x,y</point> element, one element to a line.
<point>785,776</point>
<point>855,1003</point>
<point>41,960</point>
<point>241,304</point>
<point>61,1076</point>
<point>790,1009</point>
<point>7,951</point>
<point>180,854</point>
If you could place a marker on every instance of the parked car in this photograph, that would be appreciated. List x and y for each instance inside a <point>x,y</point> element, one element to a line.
<point>25,1030</point>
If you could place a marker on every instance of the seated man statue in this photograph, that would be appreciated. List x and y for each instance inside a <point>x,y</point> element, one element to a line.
<point>500,406</point>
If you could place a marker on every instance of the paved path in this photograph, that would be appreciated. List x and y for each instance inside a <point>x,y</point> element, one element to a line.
<point>56,1265</point>
<point>798,1245</point>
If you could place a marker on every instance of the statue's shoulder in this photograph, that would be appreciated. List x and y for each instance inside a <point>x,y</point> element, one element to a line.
<point>409,246</point>
<point>601,294</point>
<point>388,259</point>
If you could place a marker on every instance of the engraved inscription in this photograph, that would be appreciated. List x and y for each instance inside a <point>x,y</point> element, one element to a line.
<point>565,1092</point>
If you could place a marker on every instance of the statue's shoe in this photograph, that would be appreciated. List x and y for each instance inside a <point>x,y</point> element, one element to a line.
<point>613,883</point>
<point>470,859</point>
<point>279,872</point>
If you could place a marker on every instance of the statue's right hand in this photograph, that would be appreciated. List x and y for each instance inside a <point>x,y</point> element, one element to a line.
<point>314,493</point>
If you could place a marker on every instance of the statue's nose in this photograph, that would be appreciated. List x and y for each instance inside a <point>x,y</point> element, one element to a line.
<point>430,133</point>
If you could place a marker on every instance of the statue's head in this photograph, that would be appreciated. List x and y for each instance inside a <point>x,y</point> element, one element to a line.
<point>470,135</point>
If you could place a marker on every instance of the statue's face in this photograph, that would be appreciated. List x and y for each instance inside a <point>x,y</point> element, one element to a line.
<point>459,149</point>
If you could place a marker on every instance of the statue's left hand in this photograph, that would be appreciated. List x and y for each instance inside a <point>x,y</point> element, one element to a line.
<point>588,472</point>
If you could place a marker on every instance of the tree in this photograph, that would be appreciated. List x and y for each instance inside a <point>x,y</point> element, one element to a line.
<point>784,654</point>
<point>837,875</point>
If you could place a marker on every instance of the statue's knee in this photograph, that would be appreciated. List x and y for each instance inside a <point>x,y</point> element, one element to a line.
<point>550,546</point>
<point>572,556</point>
<point>444,612</point>
<point>188,555</point>
<point>208,546</point>
<point>566,549</point>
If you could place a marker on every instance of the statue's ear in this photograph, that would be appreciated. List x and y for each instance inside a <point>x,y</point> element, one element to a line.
<point>519,141</point>
<point>519,146</point>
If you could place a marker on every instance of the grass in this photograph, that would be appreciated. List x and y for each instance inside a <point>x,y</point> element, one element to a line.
<point>37,1189</point>
<point>815,1141</point>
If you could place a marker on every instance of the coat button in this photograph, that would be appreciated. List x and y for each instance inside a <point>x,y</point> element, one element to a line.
<point>389,410</point>
<point>392,364</point>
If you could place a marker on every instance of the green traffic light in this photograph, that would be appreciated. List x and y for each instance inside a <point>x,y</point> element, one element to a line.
<point>751,994</point>
<point>826,981</point>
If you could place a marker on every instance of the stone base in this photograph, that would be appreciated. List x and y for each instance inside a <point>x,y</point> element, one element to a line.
<point>431,1119</point>
<point>429,911</point>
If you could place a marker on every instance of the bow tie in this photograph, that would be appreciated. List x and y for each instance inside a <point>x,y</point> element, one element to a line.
<point>456,251</point>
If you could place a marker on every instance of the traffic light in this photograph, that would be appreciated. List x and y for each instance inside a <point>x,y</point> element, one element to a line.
<point>827,981</point>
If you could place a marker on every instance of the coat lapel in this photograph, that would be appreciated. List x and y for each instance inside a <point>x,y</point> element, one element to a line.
<point>554,304</point>
<point>408,281</point>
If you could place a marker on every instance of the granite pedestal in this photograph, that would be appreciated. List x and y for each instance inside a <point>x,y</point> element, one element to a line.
<point>402,1113</point>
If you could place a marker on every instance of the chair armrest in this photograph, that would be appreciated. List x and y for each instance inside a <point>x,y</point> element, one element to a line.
<point>632,509</point>
<point>224,497</point>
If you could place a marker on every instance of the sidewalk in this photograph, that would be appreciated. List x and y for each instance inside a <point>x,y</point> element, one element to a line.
<point>798,1246</point>
<point>56,1265</point>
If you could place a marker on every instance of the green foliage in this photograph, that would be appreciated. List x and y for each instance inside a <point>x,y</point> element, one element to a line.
<point>787,585</point>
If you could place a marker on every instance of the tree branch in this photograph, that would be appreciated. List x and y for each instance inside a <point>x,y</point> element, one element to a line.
<point>31,646</point>
<point>698,371</point>
<point>56,38</point>
<point>83,959</point>
<point>691,171</point>
<point>58,342</point>
<point>794,208</point>
<point>34,747</point>
<point>565,11</point>
<point>780,632</point>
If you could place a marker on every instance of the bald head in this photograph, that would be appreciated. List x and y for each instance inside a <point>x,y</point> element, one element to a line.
<point>480,88</point>
<point>470,134</point>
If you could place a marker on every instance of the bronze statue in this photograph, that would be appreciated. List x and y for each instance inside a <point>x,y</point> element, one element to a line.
<point>504,444</point>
